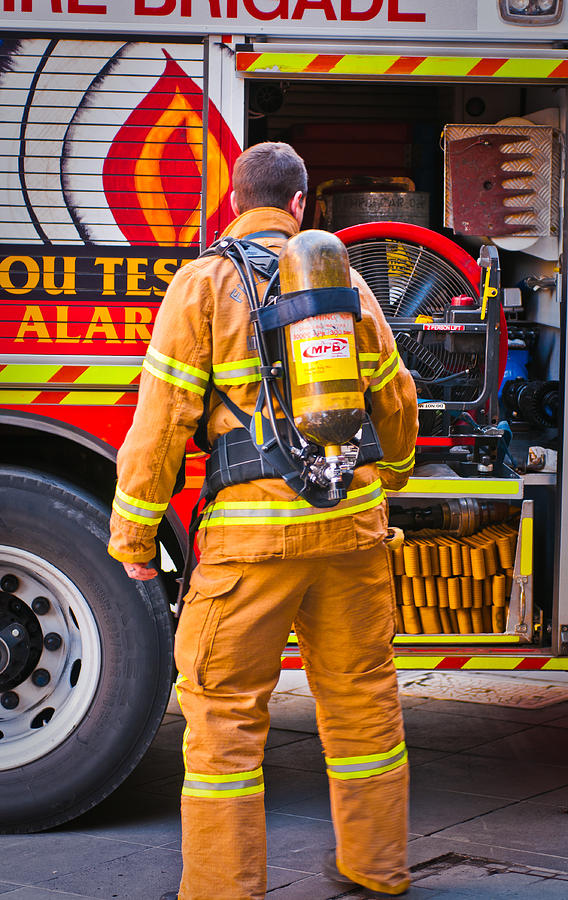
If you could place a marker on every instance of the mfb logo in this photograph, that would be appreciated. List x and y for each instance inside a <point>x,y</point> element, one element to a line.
<point>325,348</point>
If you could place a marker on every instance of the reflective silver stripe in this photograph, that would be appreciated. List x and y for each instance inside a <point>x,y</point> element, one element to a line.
<point>366,766</point>
<point>44,359</point>
<point>138,510</point>
<point>401,466</point>
<point>242,371</point>
<point>152,363</point>
<point>221,786</point>
<point>385,373</point>
<point>218,513</point>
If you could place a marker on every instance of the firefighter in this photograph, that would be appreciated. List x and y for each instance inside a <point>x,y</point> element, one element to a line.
<point>269,559</point>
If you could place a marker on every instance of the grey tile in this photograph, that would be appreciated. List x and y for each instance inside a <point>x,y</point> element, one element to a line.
<point>140,876</point>
<point>136,817</point>
<point>417,756</point>
<point>36,893</point>
<point>156,764</point>
<point>316,807</point>
<point>558,797</point>
<point>473,878</point>
<point>277,737</point>
<point>515,779</point>
<point>431,809</point>
<point>440,731</point>
<point>170,734</point>
<point>278,877</point>
<point>168,788</point>
<point>523,826</point>
<point>561,722</point>
<point>540,746</point>
<point>303,754</point>
<point>313,887</point>
<point>496,711</point>
<point>36,857</point>
<point>298,842</point>
<point>293,713</point>
<point>428,848</point>
<point>286,786</point>
<point>411,702</point>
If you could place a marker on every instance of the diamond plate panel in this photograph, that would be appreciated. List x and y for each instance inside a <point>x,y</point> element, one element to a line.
<point>542,147</point>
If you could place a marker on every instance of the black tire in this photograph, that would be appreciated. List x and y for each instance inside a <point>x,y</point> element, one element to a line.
<point>109,678</point>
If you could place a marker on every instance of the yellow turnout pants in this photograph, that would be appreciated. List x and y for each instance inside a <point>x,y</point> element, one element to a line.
<point>234,626</point>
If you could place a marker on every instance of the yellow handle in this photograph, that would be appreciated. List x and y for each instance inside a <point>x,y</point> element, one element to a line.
<point>487,293</point>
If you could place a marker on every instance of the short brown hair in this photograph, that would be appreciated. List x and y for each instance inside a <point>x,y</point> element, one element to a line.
<point>268,174</point>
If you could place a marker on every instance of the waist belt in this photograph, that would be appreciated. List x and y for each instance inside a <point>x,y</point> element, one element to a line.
<point>235,459</point>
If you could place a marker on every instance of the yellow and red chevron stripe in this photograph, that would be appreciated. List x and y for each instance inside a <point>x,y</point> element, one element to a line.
<point>484,663</point>
<point>474,67</point>
<point>69,384</point>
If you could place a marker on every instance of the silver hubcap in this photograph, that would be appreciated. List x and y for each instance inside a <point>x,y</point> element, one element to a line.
<point>46,690</point>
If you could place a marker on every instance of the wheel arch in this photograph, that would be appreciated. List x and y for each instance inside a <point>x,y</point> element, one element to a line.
<point>62,450</point>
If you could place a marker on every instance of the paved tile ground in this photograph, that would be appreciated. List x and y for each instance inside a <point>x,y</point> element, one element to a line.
<point>489,811</point>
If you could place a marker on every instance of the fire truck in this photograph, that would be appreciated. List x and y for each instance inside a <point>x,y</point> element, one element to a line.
<point>435,140</point>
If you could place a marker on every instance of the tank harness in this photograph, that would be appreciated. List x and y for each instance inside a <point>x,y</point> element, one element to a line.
<point>272,447</point>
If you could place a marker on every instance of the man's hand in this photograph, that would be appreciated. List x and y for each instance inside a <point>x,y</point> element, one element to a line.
<point>139,571</point>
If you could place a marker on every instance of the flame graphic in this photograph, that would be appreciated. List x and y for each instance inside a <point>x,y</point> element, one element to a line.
<point>152,174</point>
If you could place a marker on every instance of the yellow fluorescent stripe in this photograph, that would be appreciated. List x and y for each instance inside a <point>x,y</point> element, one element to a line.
<point>386,379</point>
<point>349,776</point>
<point>183,367</point>
<point>15,372</point>
<point>354,760</point>
<point>417,662</point>
<point>457,66</point>
<point>401,639</point>
<point>528,68</point>
<point>401,465</point>
<point>473,488</point>
<point>526,547</point>
<point>282,62</point>
<point>557,664</point>
<point>134,501</point>
<point>20,397</point>
<point>275,519</point>
<point>249,363</point>
<point>93,398</point>
<point>224,779</point>
<point>291,504</point>
<point>221,795</point>
<point>132,517</point>
<point>364,65</point>
<point>171,379</point>
<point>108,375</point>
<point>258,428</point>
<point>238,379</point>
<point>496,662</point>
<point>386,363</point>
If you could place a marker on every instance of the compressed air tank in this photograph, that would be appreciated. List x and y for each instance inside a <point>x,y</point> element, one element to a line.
<point>326,391</point>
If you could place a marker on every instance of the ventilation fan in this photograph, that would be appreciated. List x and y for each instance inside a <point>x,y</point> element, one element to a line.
<point>428,290</point>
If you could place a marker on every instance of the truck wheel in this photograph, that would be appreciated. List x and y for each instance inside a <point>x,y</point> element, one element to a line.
<point>85,655</point>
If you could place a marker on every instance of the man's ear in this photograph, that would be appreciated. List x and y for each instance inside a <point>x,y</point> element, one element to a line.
<point>297,206</point>
<point>234,206</point>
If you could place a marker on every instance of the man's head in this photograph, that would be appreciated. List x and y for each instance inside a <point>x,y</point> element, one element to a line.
<point>270,174</point>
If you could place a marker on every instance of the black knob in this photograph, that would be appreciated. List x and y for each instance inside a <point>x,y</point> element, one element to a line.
<point>52,641</point>
<point>41,677</point>
<point>10,584</point>
<point>41,606</point>
<point>9,700</point>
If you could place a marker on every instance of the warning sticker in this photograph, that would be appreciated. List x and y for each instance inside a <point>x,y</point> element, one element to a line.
<point>324,349</point>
